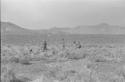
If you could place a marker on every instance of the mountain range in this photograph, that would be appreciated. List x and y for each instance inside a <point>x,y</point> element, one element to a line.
<point>103,28</point>
<point>101,33</point>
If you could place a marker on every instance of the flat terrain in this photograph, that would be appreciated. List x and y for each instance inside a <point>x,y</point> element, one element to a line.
<point>64,61</point>
<point>86,39</point>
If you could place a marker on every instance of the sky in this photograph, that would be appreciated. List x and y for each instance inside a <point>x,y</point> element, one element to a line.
<point>44,14</point>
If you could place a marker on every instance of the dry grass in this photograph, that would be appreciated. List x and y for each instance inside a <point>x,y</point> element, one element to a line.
<point>91,63</point>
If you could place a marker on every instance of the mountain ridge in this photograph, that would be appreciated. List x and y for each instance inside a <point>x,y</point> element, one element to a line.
<point>102,28</point>
<point>88,34</point>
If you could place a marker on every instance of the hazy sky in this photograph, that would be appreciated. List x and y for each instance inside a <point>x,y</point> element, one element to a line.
<point>42,14</point>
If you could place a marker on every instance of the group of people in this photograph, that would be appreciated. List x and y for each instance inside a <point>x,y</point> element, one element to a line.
<point>44,46</point>
<point>77,44</point>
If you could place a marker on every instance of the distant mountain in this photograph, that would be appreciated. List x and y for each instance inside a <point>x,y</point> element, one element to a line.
<point>103,28</point>
<point>10,28</point>
<point>104,33</point>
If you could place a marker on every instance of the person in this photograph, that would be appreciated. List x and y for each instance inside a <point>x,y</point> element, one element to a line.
<point>44,45</point>
<point>31,51</point>
<point>77,44</point>
<point>63,43</point>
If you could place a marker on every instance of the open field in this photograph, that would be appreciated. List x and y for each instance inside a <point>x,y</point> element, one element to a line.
<point>85,39</point>
<point>62,40</point>
<point>63,62</point>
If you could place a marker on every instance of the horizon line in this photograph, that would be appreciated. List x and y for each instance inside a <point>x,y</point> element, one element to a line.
<point>59,27</point>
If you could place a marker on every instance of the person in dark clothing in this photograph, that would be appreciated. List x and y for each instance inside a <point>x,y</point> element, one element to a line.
<point>44,45</point>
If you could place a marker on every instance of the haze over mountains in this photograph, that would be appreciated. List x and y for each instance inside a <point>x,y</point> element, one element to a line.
<point>101,33</point>
<point>103,28</point>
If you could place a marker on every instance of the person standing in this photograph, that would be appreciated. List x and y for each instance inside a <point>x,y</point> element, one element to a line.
<point>44,45</point>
